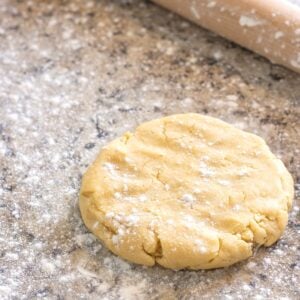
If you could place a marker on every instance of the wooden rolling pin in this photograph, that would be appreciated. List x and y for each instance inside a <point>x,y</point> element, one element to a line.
<point>270,28</point>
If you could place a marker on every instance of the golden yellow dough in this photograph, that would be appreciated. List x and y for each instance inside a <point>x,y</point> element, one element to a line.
<point>186,191</point>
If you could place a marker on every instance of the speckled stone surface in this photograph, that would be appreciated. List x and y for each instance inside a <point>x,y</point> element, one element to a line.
<point>76,74</point>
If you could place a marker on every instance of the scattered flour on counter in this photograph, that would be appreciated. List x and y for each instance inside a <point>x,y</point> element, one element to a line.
<point>47,266</point>
<point>232,97</point>
<point>217,55</point>
<point>87,273</point>
<point>85,239</point>
<point>251,265</point>
<point>132,292</point>
<point>11,256</point>
<point>5,290</point>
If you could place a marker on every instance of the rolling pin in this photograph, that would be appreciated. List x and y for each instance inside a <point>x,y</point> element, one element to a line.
<point>270,28</point>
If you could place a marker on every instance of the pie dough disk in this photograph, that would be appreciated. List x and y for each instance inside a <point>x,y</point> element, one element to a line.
<point>186,191</point>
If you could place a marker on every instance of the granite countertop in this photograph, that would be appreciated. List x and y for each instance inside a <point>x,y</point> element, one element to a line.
<point>74,75</point>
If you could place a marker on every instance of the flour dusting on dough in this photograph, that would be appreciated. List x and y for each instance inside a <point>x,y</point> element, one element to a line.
<point>188,199</point>
<point>205,170</point>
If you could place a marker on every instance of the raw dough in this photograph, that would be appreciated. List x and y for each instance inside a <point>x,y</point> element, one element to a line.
<point>186,191</point>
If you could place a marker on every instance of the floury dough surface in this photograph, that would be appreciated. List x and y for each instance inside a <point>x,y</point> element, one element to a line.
<point>75,75</point>
<point>186,191</point>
